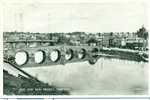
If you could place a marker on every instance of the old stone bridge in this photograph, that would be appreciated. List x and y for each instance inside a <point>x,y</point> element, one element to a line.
<point>51,55</point>
<point>55,55</point>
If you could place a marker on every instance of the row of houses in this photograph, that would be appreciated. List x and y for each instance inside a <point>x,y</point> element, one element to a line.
<point>133,42</point>
<point>111,39</point>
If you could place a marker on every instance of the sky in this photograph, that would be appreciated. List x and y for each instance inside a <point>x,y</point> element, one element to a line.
<point>70,17</point>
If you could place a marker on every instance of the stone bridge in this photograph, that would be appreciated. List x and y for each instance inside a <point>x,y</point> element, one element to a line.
<point>51,55</point>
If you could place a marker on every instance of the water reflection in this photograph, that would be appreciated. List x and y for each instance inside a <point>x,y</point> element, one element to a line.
<point>107,76</point>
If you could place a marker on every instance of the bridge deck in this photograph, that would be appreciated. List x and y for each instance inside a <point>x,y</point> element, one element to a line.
<point>28,41</point>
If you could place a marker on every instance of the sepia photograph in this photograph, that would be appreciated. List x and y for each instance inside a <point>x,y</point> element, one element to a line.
<point>75,49</point>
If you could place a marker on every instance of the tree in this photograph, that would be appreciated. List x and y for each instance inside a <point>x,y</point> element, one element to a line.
<point>63,40</point>
<point>142,33</point>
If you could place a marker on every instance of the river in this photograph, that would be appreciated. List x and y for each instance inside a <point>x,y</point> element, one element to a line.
<point>106,77</point>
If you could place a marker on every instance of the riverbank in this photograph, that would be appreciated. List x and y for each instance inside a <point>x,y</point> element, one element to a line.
<point>127,54</point>
<point>18,82</point>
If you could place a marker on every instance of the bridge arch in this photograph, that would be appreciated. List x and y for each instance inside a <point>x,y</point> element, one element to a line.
<point>81,53</point>
<point>69,54</point>
<point>39,56</point>
<point>92,61</point>
<point>94,56</point>
<point>55,55</point>
<point>21,57</point>
<point>94,52</point>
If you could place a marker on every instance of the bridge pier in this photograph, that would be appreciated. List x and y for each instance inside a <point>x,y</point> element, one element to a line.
<point>62,56</point>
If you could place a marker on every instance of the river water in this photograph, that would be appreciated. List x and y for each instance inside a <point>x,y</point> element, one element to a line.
<point>106,77</point>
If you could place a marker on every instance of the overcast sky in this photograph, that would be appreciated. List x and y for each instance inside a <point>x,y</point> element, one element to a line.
<point>69,17</point>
